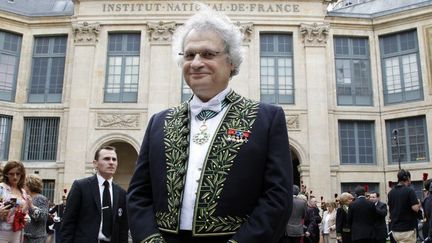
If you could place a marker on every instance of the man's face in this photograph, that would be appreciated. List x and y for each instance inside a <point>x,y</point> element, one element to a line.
<point>206,75</point>
<point>313,202</point>
<point>106,164</point>
<point>373,197</point>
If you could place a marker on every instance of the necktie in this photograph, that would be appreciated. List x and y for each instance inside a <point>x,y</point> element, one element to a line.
<point>106,211</point>
<point>206,114</point>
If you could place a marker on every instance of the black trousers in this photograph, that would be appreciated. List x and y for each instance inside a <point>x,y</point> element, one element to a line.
<point>186,237</point>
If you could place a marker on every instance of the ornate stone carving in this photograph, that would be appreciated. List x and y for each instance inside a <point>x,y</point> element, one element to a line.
<point>161,31</point>
<point>127,121</point>
<point>293,122</point>
<point>314,34</point>
<point>85,33</point>
<point>246,29</point>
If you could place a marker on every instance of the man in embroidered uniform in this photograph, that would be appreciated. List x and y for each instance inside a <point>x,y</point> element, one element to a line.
<point>96,206</point>
<point>216,168</point>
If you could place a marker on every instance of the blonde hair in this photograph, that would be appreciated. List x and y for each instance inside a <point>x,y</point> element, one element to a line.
<point>344,198</point>
<point>34,183</point>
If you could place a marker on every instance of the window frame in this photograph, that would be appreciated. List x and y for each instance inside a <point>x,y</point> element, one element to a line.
<point>29,123</point>
<point>5,131</point>
<point>278,56</point>
<point>399,54</point>
<point>356,131</point>
<point>355,83</point>
<point>47,96</point>
<point>121,96</point>
<point>392,124</point>
<point>4,94</point>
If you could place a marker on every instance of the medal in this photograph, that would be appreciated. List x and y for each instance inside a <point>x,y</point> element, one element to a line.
<point>202,136</point>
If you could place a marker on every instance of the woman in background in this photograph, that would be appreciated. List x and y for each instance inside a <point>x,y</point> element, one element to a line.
<point>343,231</point>
<point>13,206</point>
<point>329,223</point>
<point>35,231</point>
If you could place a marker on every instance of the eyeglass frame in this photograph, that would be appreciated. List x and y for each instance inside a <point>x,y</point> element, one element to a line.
<point>205,54</point>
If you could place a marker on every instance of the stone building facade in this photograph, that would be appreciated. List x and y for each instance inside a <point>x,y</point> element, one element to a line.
<point>76,75</point>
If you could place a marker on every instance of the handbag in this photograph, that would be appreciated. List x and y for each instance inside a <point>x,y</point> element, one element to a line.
<point>19,220</point>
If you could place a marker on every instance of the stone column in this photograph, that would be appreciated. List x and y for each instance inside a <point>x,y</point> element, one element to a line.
<point>160,80</point>
<point>85,39</point>
<point>315,41</point>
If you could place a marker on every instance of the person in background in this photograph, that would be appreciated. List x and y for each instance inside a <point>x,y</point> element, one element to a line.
<point>312,221</point>
<point>343,231</point>
<point>35,230</point>
<point>361,218</point>
<point>380,222</point>
<point>329,223</point>
<point>14,205</point>
<point>58,211</point>
<point>96,206</point>
<point>294,229</point>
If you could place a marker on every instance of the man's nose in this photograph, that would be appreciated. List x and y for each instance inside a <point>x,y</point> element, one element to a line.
<point>197,61</point>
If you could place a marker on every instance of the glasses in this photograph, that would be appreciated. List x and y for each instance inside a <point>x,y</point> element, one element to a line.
<point>14,174</point>
<point>204,54</point>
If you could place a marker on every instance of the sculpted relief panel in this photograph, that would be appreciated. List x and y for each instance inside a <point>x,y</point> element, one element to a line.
<point>86,33</point>
<point>115,121</point>
<point>314,34</point>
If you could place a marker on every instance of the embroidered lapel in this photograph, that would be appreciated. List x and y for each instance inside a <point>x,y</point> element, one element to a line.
<point>176,142</point>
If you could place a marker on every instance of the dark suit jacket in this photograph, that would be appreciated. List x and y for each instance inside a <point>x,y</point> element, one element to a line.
<point>59,209</point>
<point>83,215</point>
<point>380,222</point>
<point>361,218</point>
<point>342,228</point>
<point>245,188</point>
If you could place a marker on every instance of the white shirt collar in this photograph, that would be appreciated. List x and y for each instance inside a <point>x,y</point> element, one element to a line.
<point>101,180</point>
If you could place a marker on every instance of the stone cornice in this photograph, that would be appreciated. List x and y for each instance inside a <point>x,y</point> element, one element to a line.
<point>314,34</point>
<point>86,33</point>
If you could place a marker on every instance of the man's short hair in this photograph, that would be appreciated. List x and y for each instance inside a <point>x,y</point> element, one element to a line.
<point>377,193</point>
<point>427,185</point>
<point>296,190</point>
<point>359,191</point>
<point>403,175</point>
<point>96,156</point>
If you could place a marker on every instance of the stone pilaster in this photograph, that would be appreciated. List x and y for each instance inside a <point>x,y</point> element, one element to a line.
<point>315,40</point>
<point>160,82</point>
<point>85,35</point>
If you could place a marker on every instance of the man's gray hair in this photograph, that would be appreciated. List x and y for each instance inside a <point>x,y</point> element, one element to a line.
<point>209,20</point>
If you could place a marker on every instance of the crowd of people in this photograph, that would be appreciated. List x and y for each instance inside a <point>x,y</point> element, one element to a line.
<point>360,216</point>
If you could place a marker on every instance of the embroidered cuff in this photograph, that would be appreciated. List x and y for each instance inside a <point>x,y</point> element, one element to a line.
<point>154,238</point>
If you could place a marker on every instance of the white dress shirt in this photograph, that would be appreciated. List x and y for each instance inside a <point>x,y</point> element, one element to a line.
<point>101,181</point>
<point>197,154</point>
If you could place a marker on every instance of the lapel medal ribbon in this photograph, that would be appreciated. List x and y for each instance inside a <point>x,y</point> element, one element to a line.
<point>238,136</point>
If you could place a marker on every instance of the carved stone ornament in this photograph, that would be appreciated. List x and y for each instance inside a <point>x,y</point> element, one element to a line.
<point>314,34</point>
<point>293,122</point>
<point>161,31</point>
<point>246,29</point>
<point>126,121</point>
<point>86,33</point>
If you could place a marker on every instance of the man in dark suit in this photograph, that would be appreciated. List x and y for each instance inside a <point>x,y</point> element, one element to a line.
<point>217,168</point>
<point>96,206</point>
<point>361,218</point>
<point>380,221</point>
<point>58,211</point>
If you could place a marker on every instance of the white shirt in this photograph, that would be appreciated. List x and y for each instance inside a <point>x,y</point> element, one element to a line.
<point>197,154</point>
<point>101,180</point>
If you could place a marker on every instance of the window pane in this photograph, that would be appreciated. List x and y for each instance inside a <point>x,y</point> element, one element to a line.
<point>48,69</point>
<point>276,68</point>
<point>5,129</point>
<point>40,139</point>
<point>123,68</point>
<point>353,80</point>
<point>10,45</point>
<point>357,142</point>
<point>410,144</point>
